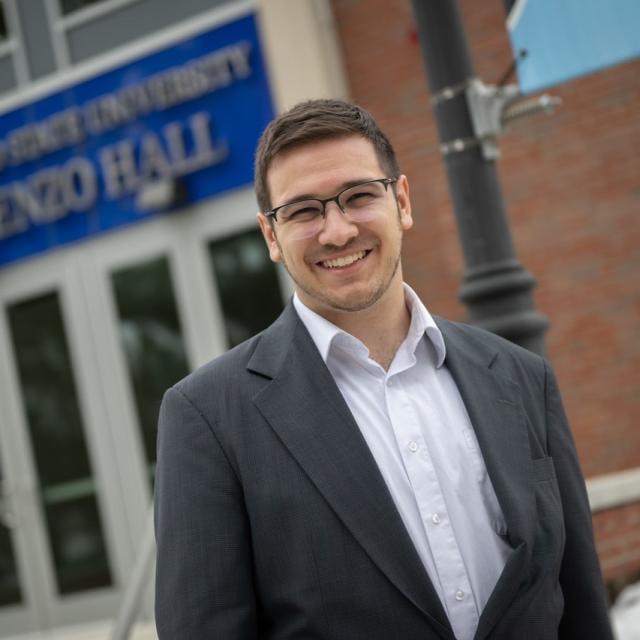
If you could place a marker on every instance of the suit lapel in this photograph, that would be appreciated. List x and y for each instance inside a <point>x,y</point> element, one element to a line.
<point>495,409</point>
<point>305,408</point>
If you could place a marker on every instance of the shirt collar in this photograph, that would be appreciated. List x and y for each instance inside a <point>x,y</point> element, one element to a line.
<point>323,333</point>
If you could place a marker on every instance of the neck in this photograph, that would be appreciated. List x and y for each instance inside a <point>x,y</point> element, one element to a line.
<point>381,328</point>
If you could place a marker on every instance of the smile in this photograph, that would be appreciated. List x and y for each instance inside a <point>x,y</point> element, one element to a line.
<point>343,261</point>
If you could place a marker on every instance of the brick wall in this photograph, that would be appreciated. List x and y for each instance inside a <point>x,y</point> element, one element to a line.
<point>617,533</point>
<point>571,183</point>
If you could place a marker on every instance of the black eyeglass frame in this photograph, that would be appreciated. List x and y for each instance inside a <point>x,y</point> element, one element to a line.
<point>273,213</point>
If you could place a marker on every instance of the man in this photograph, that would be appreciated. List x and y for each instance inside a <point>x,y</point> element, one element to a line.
<point>360,470</point>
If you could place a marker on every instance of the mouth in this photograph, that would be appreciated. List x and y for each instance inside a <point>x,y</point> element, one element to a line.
<point>343,261</point>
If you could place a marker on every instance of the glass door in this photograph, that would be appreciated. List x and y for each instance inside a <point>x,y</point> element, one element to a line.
<point>21,546</point>
<point>10,588</point>
<point>58,535</point>
<point>247,282</point>
<point>151,339</point>
<point>67,484</point>
<point>90,338</point>
<point>141,343</point>
<point>16,611</point>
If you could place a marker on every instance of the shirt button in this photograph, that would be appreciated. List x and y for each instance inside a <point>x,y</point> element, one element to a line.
<point>413,446</point>
<point>459,595</point>
<point>435,518</point>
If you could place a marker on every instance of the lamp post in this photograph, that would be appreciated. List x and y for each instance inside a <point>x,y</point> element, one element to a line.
<point>496,288</point>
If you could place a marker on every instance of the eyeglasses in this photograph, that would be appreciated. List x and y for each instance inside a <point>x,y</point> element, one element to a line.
<point>361,202</point>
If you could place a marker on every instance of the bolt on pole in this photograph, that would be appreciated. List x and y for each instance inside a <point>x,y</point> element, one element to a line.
<point>496,289</point>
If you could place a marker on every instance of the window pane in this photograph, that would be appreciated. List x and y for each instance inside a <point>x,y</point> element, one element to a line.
<point>247,283</point>
<point>9,585</point>
<point>69,6</point>
<point>76,542</point>
<point>58,443</point>
<point>151,338</point>
<point>3,24</point>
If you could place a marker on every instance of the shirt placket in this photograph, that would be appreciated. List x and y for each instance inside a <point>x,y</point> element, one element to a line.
<point>454,588</point>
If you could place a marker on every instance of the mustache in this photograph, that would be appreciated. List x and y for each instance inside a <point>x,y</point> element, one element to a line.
<point>328,251</point>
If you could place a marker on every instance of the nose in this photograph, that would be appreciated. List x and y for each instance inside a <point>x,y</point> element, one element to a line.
<point>337,228</point>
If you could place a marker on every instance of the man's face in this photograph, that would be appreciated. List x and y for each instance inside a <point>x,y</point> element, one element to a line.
<point>346,266</point>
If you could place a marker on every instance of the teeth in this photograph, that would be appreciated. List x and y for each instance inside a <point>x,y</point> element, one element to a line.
<point>344,261</point>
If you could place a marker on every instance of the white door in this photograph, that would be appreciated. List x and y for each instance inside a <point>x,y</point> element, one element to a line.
<point>90,336</point>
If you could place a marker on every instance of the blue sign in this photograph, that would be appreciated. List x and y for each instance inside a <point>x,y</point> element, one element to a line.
<point>86,159</point>
<point>569,38</point>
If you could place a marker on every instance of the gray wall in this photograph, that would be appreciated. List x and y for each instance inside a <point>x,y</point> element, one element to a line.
<point>7,75</point>
<point>37,38</point>
<point>114,29</point>
<point>130,23</point>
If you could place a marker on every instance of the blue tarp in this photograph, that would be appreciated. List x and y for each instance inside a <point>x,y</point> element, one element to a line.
<point>565,39</point>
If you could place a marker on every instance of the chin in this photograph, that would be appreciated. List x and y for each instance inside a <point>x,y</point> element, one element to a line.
<point>355,302</point>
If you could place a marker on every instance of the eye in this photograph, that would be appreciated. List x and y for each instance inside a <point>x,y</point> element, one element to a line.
<point>300,211</point>
<point>361,196</point>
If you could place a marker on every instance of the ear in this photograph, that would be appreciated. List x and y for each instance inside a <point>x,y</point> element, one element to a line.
<point>269,236</point>
<point>404,203</point>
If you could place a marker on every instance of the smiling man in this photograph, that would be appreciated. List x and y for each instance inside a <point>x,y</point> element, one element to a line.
<point>361,469</point>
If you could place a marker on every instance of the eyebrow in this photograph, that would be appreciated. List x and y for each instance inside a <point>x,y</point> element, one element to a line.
<point>314,196</point>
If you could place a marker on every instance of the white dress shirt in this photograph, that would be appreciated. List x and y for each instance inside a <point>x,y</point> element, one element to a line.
<point>418,430</point>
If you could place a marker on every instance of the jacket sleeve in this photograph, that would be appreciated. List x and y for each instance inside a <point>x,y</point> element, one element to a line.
<point>204,585</point>
<point>585,613</point>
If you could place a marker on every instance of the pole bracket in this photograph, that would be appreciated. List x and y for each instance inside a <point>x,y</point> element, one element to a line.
<point>493,107</point>
<point>458,145</point>
<point>450,92</point>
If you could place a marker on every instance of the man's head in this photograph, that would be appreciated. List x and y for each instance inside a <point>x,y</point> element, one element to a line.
<point>333,207</point>
<point>314,121</point>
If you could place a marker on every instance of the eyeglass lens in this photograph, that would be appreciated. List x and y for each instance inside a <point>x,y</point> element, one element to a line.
<point>361,203</point>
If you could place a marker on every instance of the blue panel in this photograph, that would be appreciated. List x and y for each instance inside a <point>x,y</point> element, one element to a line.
<point>72,164</point>
<point>569,38</point>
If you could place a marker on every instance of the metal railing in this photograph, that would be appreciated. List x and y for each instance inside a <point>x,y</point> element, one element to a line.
<point>134,592</point>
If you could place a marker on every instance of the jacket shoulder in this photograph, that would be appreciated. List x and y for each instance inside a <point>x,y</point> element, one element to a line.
<point>502,352</point>
<point>221,370</point>
<point>231,374</point>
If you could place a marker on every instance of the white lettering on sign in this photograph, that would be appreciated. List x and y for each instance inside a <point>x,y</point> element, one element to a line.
<point>154,162</point>
<point>15,200</point>
<point>125,168</point>
<point>48,195</point>
<point>205,152</point>
<point>169,88</point>
<point>62,129</point>
<point>118,169</point>
<point>79,184</point>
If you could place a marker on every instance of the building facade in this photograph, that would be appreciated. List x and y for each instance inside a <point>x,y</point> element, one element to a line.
<point>129,251</point>
<point>572,191</point>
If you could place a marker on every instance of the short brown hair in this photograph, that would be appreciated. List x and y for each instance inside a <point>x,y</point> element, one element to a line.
<point>312,121</point>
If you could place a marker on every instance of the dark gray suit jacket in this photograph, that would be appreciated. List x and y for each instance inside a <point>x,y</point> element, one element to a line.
<point>273,521</point>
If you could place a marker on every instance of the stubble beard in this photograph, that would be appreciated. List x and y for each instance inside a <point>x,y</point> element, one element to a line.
<point>324,297</point>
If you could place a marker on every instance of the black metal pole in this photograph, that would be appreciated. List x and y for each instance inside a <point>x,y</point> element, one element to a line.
<point>496,289</point>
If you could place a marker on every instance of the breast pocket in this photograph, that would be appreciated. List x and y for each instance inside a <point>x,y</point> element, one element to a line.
<point>550,538</point>
<point>544,470</point>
